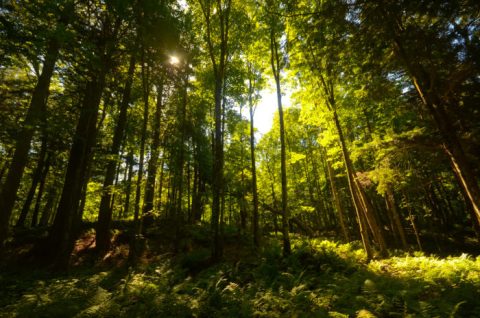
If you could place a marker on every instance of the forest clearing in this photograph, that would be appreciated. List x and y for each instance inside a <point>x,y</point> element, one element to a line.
<point>227,158</point>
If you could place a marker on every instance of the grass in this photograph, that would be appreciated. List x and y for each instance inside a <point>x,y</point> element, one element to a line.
<point>320,279</point>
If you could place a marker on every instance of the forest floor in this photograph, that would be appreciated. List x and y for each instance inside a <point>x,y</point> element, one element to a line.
<point>174,278</point>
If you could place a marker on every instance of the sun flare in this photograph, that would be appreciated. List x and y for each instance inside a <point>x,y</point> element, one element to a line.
<point>174,60</point>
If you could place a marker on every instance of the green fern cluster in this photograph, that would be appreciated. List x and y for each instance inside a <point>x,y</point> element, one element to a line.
<point>319,279</point>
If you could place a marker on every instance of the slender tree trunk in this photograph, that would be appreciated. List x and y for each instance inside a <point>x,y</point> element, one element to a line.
<point>255,225</point>
<point>35,112</point>
<point>195,188</point>
<point>49,205</point>
<point>83,195</point>
<point>189,191</point>
<point>338,203</point>
<point>411,218</point>
<point>143,137</point>
<point>43,179</point>
<point>219,64</point>
<point>242,203</point>
<point>35,179</point>
<point>181,157</point>
<point>154,153</point>
<point>371,218</point>
<point>105,212</point>
<point>390,197</point>
<point>451,144</point>
<point>136,243</point>
<point>128,190</point>
<point>217,172</point>
<point>115,186</point>
<point>352,186</point>
<point>160,185</point>
<point>275,64</point>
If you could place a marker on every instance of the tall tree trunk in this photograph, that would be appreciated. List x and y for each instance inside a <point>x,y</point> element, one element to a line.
<point>352,186</point>
<point>35,112</point>
<point>128,190</point>
<point>105,212</point>
<point>160,185</point>
<point>338,203</point>
<point>411,218</point>
<point>115,184</point>
<point>43,179</point>
<point>137,242</point>
<point>275,64</point>
<point>217,172</point>
<point>198,190</point>
<point>83,195</point>
<point>195,187</point>
<point>390,197</point>
<point>154,153</point>
<point>242,203</point>
<point>143,138</point>
<point>49,205</point>
<point>189,191</point>
<point>179,215</point>
<point>35,179</point>
<point>62,236</point>
<point>255,227</point>
<point>371,218</point>
<point>219,11</point>
<point>451,144</point>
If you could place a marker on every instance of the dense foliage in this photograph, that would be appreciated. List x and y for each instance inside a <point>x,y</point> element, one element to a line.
<point>143,112</point>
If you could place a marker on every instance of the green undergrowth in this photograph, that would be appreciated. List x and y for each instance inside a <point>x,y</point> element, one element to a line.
<point>319,279</point>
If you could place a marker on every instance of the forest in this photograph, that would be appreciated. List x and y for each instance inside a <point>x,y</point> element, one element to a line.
<point>135,182</point>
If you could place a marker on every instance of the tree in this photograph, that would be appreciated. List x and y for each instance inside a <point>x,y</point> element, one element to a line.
<point>439,88</point>
<point>275,27</point>
<point>105,212</point>
<point>217,26</point>
<point>252,83</point>
<point>35,113</point>
<point>64,229</point>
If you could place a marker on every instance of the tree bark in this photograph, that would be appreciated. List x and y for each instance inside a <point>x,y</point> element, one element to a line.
<point>255,225</point>
<point>275,64</point>
<point>154,153</point>
<point>371,217</point>
<point>217,173</point>
<point>105,212</point>
<point>43,179</point>
<point>179,175</point>
<point>49,206</point>
<point>62,236</point>
<point>160,185</point>
<point>242,201</point>
<point>219,64</point>
<point>390,197</point>
<point>35,112</point>
<point>137,241</point>
<point>432,99</point>
<point>143,137</point>
<point>128,190</point>
<point>351,184</point>
<point>338,203</point>
<point>35,179</point>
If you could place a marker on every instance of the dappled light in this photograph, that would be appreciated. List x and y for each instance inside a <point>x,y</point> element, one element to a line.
<point>239,158</point>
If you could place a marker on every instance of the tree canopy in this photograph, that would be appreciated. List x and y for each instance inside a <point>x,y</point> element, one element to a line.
<point>137,118</point>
